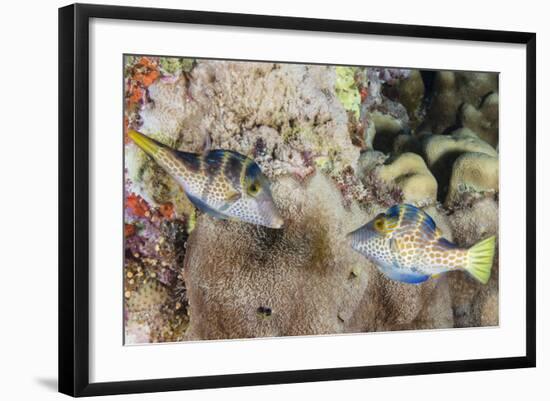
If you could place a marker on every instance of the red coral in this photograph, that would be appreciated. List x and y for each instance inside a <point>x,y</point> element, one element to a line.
<point>364,93</point>
<point>129,230</point>
<point>137,205</point>
<point>139,77</point>
<point>145,72</point>
<point>127,139</point>
<point>167,210</point>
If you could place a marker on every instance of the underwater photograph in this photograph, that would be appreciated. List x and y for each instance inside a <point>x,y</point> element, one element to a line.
<point>267,199</point>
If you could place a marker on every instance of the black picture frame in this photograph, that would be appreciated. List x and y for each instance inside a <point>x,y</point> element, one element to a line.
<point>74,198</point>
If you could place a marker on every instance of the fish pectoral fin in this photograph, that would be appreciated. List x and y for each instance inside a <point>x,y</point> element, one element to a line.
<point>232,195</point>
<point>397,274</point>
<point>409,278</point>
<point>395,245</point>
<point>203,206</point>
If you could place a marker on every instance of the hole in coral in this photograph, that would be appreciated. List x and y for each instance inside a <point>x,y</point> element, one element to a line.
<point>383,140</point>
<point>264,311</point>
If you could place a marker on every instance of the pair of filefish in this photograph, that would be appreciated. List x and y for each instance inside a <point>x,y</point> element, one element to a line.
<point>404,243</point>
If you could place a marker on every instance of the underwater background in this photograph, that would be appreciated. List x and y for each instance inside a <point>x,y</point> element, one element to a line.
<point>339,145</point>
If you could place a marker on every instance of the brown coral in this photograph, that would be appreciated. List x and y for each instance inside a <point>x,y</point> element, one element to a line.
<point>410,92</point>
<point>473,173</point>
<point>306,274</point>
<point>409,172</point>
<point>483,120</point>
<point>441,152</point>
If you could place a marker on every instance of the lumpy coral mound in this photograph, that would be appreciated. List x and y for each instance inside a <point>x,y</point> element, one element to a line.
<point>339,145</point>
<point>304,274</point>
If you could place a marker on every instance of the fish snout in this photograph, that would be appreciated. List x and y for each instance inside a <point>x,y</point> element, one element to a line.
<point>148,145</point>
<point>274,217</point>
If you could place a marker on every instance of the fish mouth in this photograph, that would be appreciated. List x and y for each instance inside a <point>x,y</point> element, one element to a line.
<point>271,215</point>
<point>273,219</point>
<point>277,222</point>
<point>148,145</point>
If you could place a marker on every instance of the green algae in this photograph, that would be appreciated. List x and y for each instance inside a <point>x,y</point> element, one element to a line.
<point>347,91</point>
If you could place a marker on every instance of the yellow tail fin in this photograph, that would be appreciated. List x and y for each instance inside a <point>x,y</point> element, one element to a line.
<point>480,259</point>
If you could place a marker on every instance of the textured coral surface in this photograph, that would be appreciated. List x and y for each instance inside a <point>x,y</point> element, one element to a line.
<point>339,145</point>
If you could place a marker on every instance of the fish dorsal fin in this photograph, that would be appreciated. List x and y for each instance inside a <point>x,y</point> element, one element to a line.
<point>406,215</point>
<point>191,161</point>
<point>207,145</point>
<point>446,243</point>
<point>215,153</point>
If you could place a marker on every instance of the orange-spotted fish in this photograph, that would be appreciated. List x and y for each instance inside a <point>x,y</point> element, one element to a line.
<point>406,246</point>
<point>221,183</point>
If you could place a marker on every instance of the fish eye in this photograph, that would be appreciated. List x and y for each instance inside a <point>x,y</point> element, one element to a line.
<point>254,188</point>
<point>379,224</point>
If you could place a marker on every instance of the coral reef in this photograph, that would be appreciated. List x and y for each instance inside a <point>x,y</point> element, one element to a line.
<point>284,115</point>
<point>339,145</point>
<point>473,174</point>
<point>475,305</point>
<point>483,119</point>
<point>151,315</point>
<point>451,91</point>
<point>408,171</point>
<point>442,151</point>
<point>410,93</point>
<point>347,90</point>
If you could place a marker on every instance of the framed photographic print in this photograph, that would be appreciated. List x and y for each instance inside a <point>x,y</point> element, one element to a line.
<point>249,199</point>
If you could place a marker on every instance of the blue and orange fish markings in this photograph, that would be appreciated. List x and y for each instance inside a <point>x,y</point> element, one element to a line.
<point>221,183</point>
<point>406,246</point>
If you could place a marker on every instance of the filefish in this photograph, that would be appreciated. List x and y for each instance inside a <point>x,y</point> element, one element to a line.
<point>222,183</point>
<point>406,246</point>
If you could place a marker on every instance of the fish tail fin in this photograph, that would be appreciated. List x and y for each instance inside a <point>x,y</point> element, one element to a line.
<point>480,259</point>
